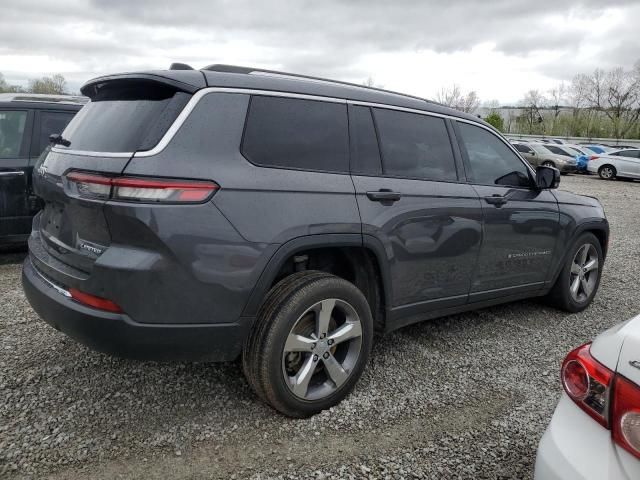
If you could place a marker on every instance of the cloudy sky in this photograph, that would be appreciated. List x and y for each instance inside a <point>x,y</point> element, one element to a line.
<point>500,48</point>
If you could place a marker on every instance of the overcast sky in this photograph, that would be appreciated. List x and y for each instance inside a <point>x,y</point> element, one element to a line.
<point>500,48</point>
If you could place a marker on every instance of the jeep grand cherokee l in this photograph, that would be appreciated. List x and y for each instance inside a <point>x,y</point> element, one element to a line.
<point>233,212</point>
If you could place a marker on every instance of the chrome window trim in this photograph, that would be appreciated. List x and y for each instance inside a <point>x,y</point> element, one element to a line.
<point>195,99</point>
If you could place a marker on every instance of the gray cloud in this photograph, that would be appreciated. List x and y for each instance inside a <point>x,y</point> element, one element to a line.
<point>324,38</point>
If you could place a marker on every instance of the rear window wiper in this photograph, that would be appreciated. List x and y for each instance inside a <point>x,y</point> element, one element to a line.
<point>58,139</point>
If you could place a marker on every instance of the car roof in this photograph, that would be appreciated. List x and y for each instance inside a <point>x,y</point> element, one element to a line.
<point>230,76</point>
<point>39,100</point>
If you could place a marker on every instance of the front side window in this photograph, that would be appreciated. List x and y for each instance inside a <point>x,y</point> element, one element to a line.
<point>12,126</point>
<point>297,134</point>
<point>558,150</point>
<point>492,162</point>
<point>522,148</point>
<point>415,146</point>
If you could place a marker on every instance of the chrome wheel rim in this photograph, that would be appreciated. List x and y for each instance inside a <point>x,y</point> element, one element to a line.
<point>606,172</point>
<point>547,164</point>
<point>322,349</point>
<point>584,273</point>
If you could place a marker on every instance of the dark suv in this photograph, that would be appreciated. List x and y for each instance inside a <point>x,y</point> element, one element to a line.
<point>236,212</point>
<point>26,121</point>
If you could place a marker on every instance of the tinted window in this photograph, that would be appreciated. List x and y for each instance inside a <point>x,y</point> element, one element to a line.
<point>298,134</point>
<point>628,153</point>
<point>365,153</point>
<point>51,122</point>
<point>125,117</point>
<point>558,150</point>
<point>491,160</point>
<point>415,146</point>
<point>12,125</point>
<point>522,148</point>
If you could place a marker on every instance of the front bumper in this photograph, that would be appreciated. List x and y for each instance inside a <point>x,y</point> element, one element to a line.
<point>567,168</point>
<point>118,334</point>
<point>576,447</point>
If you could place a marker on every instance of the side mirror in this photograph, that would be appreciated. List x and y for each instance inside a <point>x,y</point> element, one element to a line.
<point>547,177</point>
<point>532,153</point>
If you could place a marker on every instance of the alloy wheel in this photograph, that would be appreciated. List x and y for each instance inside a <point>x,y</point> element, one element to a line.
<point>606,172</point>
<point>584,273</point>
<point>322,349</point>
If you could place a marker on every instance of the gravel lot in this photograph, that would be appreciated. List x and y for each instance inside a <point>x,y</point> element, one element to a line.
<point>466,396</point>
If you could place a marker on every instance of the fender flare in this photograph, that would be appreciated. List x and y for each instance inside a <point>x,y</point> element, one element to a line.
<point>299,244</point>
<point>601,225</point>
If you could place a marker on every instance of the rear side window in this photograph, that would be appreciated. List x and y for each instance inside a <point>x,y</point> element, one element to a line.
<point>365,153</point>
<point>125,117</point>
<point>492,162</point>
<point>297,134</point>
<point>12,126</point>
<point>415,146</point>
<point>50,123</point>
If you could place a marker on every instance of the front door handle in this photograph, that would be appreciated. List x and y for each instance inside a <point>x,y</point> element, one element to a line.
<point>16,173</point>
<point>384,196</point>
<point>497,200</point>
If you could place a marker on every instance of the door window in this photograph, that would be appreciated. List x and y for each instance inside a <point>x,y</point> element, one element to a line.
<point>297,134</point>
<point>12,126</point>
<point>492,162</point>
<point>50,122</point>
<point>365,153</point>
<point>415,146</point>
<point>522,148</point>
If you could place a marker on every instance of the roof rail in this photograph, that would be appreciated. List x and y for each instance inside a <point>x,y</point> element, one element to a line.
<point>43,98</point>
<point>218,67</point>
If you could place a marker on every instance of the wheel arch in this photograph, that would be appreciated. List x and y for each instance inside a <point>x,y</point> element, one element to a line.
<point>372,260</point>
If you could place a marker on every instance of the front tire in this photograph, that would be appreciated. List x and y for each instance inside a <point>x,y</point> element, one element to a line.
<point>607,172</point>
<point>310,343</point>
<point>579,279</point>
<point>548,163</point>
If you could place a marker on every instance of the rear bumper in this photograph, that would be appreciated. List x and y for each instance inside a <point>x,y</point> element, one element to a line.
<point>118,334</point>
<point>577,447</point>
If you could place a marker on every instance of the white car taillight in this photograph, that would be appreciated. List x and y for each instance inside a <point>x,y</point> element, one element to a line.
<point>139,189</point>
<point>609,398</point>
<point>588,383</point>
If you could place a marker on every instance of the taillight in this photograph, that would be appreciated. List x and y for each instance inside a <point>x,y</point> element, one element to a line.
<point>625,415</point>
<point>593,157</point>
<point>140,189</point>
<point>94,301</point>
<point>588,383</point>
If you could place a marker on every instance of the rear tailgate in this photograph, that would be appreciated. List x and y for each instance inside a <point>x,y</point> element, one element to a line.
<point>124,115</point>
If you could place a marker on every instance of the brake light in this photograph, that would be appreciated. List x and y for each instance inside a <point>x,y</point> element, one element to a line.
<point>593,157</point>
<point>625,416</point>
<point>94,301</point>
<point>587,382</point>
<point>140,189</point>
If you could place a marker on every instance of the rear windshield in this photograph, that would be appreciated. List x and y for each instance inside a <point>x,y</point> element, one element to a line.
<point>125,117</point>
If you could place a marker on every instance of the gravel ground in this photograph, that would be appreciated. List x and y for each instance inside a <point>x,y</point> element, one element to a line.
<point>467,396</point>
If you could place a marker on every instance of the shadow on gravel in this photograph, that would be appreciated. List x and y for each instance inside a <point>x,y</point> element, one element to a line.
<point>12,255</point>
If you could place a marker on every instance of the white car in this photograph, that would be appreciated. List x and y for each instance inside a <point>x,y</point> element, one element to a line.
<point>616,164</point>
<point>595,430</point>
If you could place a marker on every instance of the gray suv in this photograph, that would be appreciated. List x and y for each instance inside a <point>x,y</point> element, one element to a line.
<point>233,212</point>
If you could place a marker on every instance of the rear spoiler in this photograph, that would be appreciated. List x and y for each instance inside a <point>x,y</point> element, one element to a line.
<point>182,80</point>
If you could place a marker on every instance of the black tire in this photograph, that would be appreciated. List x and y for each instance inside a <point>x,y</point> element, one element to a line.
<point>607,172</point>
<point>263,357</point>
<point>560,295</point>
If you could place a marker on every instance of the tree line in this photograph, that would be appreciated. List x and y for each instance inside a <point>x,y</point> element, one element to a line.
<point>53,85</point>
<point>605,103</point>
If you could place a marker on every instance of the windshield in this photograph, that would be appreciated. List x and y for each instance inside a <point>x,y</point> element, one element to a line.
<point>125,117</point>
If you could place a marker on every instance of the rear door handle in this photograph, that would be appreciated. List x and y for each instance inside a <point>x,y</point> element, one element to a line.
<point>384,196</point>
<point>497,200</point>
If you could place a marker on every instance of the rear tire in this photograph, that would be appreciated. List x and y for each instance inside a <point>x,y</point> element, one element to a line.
<point>607,172</point>
<point>310,343</point>
<point>579,279</point>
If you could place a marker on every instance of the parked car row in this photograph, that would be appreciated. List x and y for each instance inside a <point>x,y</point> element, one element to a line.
<point>598,159</point>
